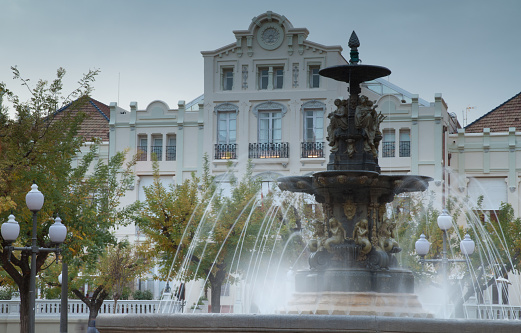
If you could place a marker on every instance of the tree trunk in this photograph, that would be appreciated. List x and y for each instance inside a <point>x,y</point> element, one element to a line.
<point>216,281</point>
<point>94,304</point>
<point>216,297</point>
<point>24,310</point>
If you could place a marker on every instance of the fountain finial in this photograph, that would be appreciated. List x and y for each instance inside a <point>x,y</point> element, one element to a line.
<point>354,43</point>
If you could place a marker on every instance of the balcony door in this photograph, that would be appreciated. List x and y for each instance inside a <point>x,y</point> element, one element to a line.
<point>270,126</point>
<point>227,128</point>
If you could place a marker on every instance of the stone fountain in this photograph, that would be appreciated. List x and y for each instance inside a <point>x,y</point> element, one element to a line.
<point>353,269</point>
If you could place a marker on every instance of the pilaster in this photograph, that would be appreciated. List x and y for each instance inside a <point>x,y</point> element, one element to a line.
<point>415,135</point>
<point>180,141</point>
<point>438,140</point>
<point>112,129</point>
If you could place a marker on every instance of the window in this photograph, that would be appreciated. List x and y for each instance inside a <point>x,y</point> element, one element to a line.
<point>388,144</point>
<point>226,146</point>
<point>157,147</point>
<point>313,114</point>
<point>142,148</point>
<point>405,143</point>
<point>227,78</point>
<point>226,127</point>
<point>270,127</point>
<point>271,78</point>
<point>278,78</point>
<point>263,78</point>
<point>314,78</point>
<point>313,125</point>
<point>171,148</point>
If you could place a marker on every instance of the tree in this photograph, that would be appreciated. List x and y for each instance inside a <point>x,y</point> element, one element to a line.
<point>40,144</point>
<point>199,233</point>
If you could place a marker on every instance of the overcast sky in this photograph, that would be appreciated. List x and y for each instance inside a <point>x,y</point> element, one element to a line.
<point>468,50</point>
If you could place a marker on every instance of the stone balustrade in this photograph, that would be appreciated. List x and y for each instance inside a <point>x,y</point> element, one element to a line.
<point>49,308</point>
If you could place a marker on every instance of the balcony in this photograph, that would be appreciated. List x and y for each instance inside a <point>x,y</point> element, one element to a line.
<point>405,148</point>
<point>268,150</point>
<point>312,149</point>
<point>142,153</point>
<point>171,153</point>
<point>224,151</point>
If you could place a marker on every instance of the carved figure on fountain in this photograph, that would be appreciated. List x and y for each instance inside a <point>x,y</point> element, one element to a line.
<point>337,234</point>
<point>338,123</point>
<point>368,121</point>
<point>386,235</point>
<point>361,237</point>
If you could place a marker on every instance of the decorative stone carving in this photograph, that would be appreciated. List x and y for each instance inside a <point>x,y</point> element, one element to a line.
<point>386,236</point>
<point>361,237</point>
<point>244,77</point>
<point>368,120</point>
<point>350,209</point>
<point>270,106</point>
<point>337,234</point>
<point>337,120</point>
<point>295,75</point>
<point>226,107</point>
<point>270,36</point>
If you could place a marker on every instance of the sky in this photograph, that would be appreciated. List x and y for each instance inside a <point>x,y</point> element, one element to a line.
<point>147,50</point>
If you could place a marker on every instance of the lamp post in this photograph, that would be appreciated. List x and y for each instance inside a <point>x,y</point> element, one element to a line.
<point>10,230</point>
<point>63,279</point>
<point>422,245</point>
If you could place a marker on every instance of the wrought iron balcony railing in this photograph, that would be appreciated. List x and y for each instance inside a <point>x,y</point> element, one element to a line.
<point>388,149</point>
<point>312,149</point>
<point>268,150</point>
<point>142,153</point>
<point>405,148</point>
<point>158,150</point>
<point>171,153</point>
<point>225,151</point>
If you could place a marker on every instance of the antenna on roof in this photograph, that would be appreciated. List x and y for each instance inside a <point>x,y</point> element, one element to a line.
<point>465,114</point>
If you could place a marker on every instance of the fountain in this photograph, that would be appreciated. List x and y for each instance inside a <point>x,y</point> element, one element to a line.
<point>353,271</point>
<point>352,268</point>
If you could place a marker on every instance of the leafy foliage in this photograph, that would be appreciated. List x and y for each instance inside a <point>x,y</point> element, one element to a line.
<point>200,233</point>
<point>41,144</point>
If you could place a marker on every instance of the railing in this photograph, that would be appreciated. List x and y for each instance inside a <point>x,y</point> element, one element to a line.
<point>492,311</point>
<point>171,152</point>
<point>312,149</point>
<point>78,308</point>
<point>268,150</point>
<point>225,151</point>
<point>388,149</point>
<point>158,150</point>
<point>142,153</point>
<point>405,148</point>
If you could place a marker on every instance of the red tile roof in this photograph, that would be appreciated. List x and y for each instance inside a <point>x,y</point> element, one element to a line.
<point>96,123</point>
<point>500,119</point>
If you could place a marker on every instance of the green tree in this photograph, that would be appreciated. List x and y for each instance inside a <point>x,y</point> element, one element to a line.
<point>196,231</point>
<point>40,144</point>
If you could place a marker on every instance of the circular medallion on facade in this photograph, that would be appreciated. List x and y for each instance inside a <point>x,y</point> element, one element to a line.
<point>270,36</point>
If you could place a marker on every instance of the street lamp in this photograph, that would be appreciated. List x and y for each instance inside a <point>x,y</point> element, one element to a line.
<point>422,245</point>
<point>10,230</point>
<point>63,279</point>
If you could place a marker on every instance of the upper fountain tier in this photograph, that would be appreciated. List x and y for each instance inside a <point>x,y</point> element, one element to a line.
<point>353,73</point>
<point>354,127</point>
